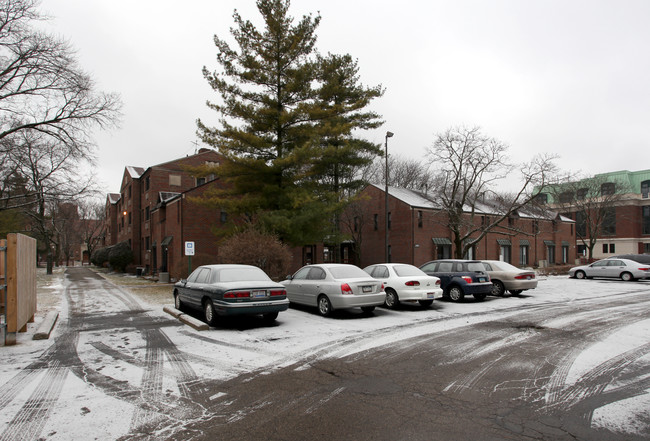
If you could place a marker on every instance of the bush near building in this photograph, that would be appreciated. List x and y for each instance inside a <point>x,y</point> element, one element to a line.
<point>262,250</point>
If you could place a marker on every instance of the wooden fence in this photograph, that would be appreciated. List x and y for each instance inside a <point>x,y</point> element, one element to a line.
<point>19,296</point>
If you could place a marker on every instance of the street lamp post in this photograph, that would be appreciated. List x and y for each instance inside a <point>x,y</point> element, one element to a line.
<point>388,135</point>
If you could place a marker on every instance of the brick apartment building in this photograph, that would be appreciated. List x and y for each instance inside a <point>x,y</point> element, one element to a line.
<point>416,234</point>
<point>154,213</point>
<point>628,232</point>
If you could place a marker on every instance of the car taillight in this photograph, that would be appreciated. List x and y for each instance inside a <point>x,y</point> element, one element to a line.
<point>438,282</point>
<point>278,292</point>
<point>468,279</point>
<point>236,294</point>
<point>645,269</point>
<point>412,283</point>
<point>345,289</point>
<point>525,276</point>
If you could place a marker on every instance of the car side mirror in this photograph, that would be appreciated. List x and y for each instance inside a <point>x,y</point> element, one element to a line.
<point>289,277</point>
<point>184,281</point>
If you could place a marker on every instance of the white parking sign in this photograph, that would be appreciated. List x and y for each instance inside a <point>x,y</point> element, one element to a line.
<point>189,248</point>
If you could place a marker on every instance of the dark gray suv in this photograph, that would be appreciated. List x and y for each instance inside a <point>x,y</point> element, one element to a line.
<point>459,278</point>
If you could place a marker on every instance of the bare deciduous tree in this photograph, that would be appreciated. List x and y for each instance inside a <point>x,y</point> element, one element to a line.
<point>468,167</point>
<point>44,95</point>
<point>402,172</point>
<point>592,202</point>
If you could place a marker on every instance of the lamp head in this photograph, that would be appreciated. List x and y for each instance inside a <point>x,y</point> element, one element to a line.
<point>389,134</point>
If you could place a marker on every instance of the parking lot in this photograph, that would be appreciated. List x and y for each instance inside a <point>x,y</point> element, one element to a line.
<point>117,366</point>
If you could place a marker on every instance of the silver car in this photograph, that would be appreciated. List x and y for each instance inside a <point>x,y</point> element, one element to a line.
<point>405,283</point>
<point>624,269</point>
<point>334,286</point>
<point>505,276</point>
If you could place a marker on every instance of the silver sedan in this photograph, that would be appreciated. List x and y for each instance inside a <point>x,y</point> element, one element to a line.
<point>334,286</point>
<point>612,268</point>
<point>406,283</point>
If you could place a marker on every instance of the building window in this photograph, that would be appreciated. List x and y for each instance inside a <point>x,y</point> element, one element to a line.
<point>505,253</point>
<point>645,189</point>
<point>146,243</point>
<point>129,218</point>
<point>443,251</point>
<point>376,219</point>
<point>523,255</point>
<point>605,248</point>
<point>541,198</point>
<point>146,183</point>
<point>581,224</point>
<point>607,188</point>
<point>419,218</point>
<point>566,197</point>
<point>581,193</point>
<point>146,213</point>
<point>609,221</point>
<point>130,191</point>
<point>535,226</point>
<point>224,217</point>
<point>646,248</point>
<point>175,180</point>
<point>200,181</point>
<point>645,222</point>
<point>550,253</point>
<point>356,223</point>
<point>581,250</point>
<point>565,254</point>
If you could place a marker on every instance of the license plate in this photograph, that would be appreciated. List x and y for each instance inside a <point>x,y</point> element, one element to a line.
<point>366,288</point>
<point>481,279</point>
<point>258,294</point>
<point>430,295</point>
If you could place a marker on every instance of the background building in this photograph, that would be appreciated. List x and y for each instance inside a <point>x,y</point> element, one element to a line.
<point>155,215</point>
<point>623,197</point>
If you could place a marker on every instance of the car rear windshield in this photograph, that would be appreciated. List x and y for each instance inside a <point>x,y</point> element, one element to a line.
<point>475,266</point>
<point>347,272</point>
<point>241,274</point>
<point>408,271</point>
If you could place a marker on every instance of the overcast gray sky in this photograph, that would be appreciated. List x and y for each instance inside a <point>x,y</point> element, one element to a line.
<point>565,77</point>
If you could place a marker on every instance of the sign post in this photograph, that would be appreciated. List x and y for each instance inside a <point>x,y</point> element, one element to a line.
<point>189,252</point>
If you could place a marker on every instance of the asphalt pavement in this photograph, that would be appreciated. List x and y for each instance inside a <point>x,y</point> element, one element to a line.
<point>507,369</point>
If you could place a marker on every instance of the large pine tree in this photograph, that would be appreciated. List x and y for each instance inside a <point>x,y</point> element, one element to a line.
<point>280,112</point>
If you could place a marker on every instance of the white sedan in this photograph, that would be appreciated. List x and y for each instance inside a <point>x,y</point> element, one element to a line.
<point>406,283</point>
<point>624,269</point>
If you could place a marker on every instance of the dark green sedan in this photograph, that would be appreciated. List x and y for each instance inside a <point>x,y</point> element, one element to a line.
<point>225,290</point>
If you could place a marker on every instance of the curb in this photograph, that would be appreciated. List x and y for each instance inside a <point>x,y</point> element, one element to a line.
<point>187,319</point>
<point>45,328</point>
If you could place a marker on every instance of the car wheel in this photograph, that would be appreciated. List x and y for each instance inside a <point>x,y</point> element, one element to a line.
<point>392,301</point>
<point>516,292</point>
<point>177,301</point>
<point>497,288</point>
<point>626,277</point>
<point>367,309</point>
<point>480,297</point>
<point>324,306</point>
<point>425,303</point>
<point>580,274</point>
<point>270,316</point>
<point>210,313</point>
<point>456,294</point>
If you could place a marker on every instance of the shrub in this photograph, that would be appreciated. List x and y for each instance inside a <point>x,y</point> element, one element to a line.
<point>262,250</point>
<point>100,256</point>
<point>120,256</point>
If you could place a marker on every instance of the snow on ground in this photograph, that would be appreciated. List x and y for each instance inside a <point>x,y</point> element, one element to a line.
<point>299,337</point>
